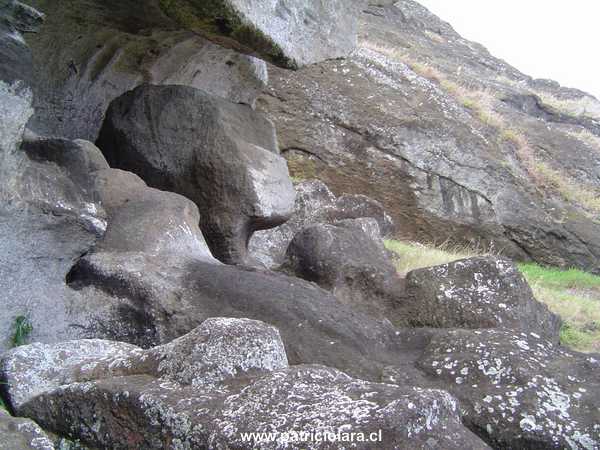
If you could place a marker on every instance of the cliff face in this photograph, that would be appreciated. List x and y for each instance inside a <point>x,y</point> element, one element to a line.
<point>456,144</point>
<point>180,291</point>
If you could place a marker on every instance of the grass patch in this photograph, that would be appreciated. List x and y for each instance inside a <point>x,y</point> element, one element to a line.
<point>572,294</point>
<point>417,256</point>
<point>22,329</point>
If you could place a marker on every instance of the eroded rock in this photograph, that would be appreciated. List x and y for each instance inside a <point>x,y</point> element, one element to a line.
<point>92,52</point>
<point>22,434</point>
<point>315,203</point>
<point>222,156</point>
<point>484,292</point>
<point>519,390</point>
<point>162,406</point>
<point>290,32</point>
<point>346,260</point>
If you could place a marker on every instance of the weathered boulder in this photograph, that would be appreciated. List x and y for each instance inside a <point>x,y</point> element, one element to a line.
<point>217,350</point>
<point>15,93</point>
<point>222,156</point>
<point>484,292</point>
<point>170,300</point>
<point>518,390</point>
<point>16,18</point>
<point>88,53</point>
<point>59,200</point>
<point>315,203</point>
<point>55,176</point>
<point>346,260</point>
<point>292,33</point>
<point>215,400</point>
<point>22,434</point>
<point>135,226</point>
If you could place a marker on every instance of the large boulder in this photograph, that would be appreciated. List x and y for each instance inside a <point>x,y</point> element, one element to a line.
<point>208,389</point>
<point>484,292</point>
<point>16,69</point>
<point>292,33</point>
<point>346,260</point>
<point>222,156</point>
<point>22,434</point>
<point>518,390</point>
<point>315,204</point>
<point>131,207</point>
<point>91,52</point>
<point>171,299</point>
<point>63,201</point>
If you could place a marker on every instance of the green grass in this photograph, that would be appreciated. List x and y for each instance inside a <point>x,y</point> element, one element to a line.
<point>22,329</point>
<point>572,294</point>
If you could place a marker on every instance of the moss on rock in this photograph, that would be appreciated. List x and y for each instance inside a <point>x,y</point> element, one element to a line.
<point>217,18</point>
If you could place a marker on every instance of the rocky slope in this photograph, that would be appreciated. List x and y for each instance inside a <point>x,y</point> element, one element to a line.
<point>182,292</point>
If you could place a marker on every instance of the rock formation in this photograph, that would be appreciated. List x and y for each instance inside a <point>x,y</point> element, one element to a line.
<point>222,156</point>
<point>182,292</point>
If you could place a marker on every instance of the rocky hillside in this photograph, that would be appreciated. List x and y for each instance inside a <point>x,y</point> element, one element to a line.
<point>192,201</point>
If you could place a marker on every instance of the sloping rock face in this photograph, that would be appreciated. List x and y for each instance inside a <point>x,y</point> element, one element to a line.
<point>477,293</point>
<point>315,204</point>
<point>222,156</point>
<point>235,380</point>
<point>395,122</point>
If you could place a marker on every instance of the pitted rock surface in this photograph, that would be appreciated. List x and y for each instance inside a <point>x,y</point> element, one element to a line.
<point>22,434</point>
<point>484,292</point>
<point>519,390</point>
<point>222,156</point>
<point>156,405</point>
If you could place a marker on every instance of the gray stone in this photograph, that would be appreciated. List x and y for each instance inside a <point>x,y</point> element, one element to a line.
<point>170,300</point>
<point>22,434</point>
<point>347,261</point>
<point>55,176</point>
<point>518,390</point>
<point>91,52</point>
<point>160,224</point>
<point>222,156</point>
<point>400,121</point>
<point>483,292</point>
<point>235,380</point>
<point>315,203</point>
<point>219,349</point>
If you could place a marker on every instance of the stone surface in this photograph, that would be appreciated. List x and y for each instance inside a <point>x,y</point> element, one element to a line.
<point>390,123</point>
<point>484,292</point>
<point>217,350</point>
<point>22,434</point>
<point>315,203</point>
<point>222,156</point>
<point>157,405</point>
<point>169,301</point>
<point>292,33</point>
<point>92,52</point>
<point>346,260</point>
<point>518,390</point>
<point>55,176</point>
<point>160,224</point>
